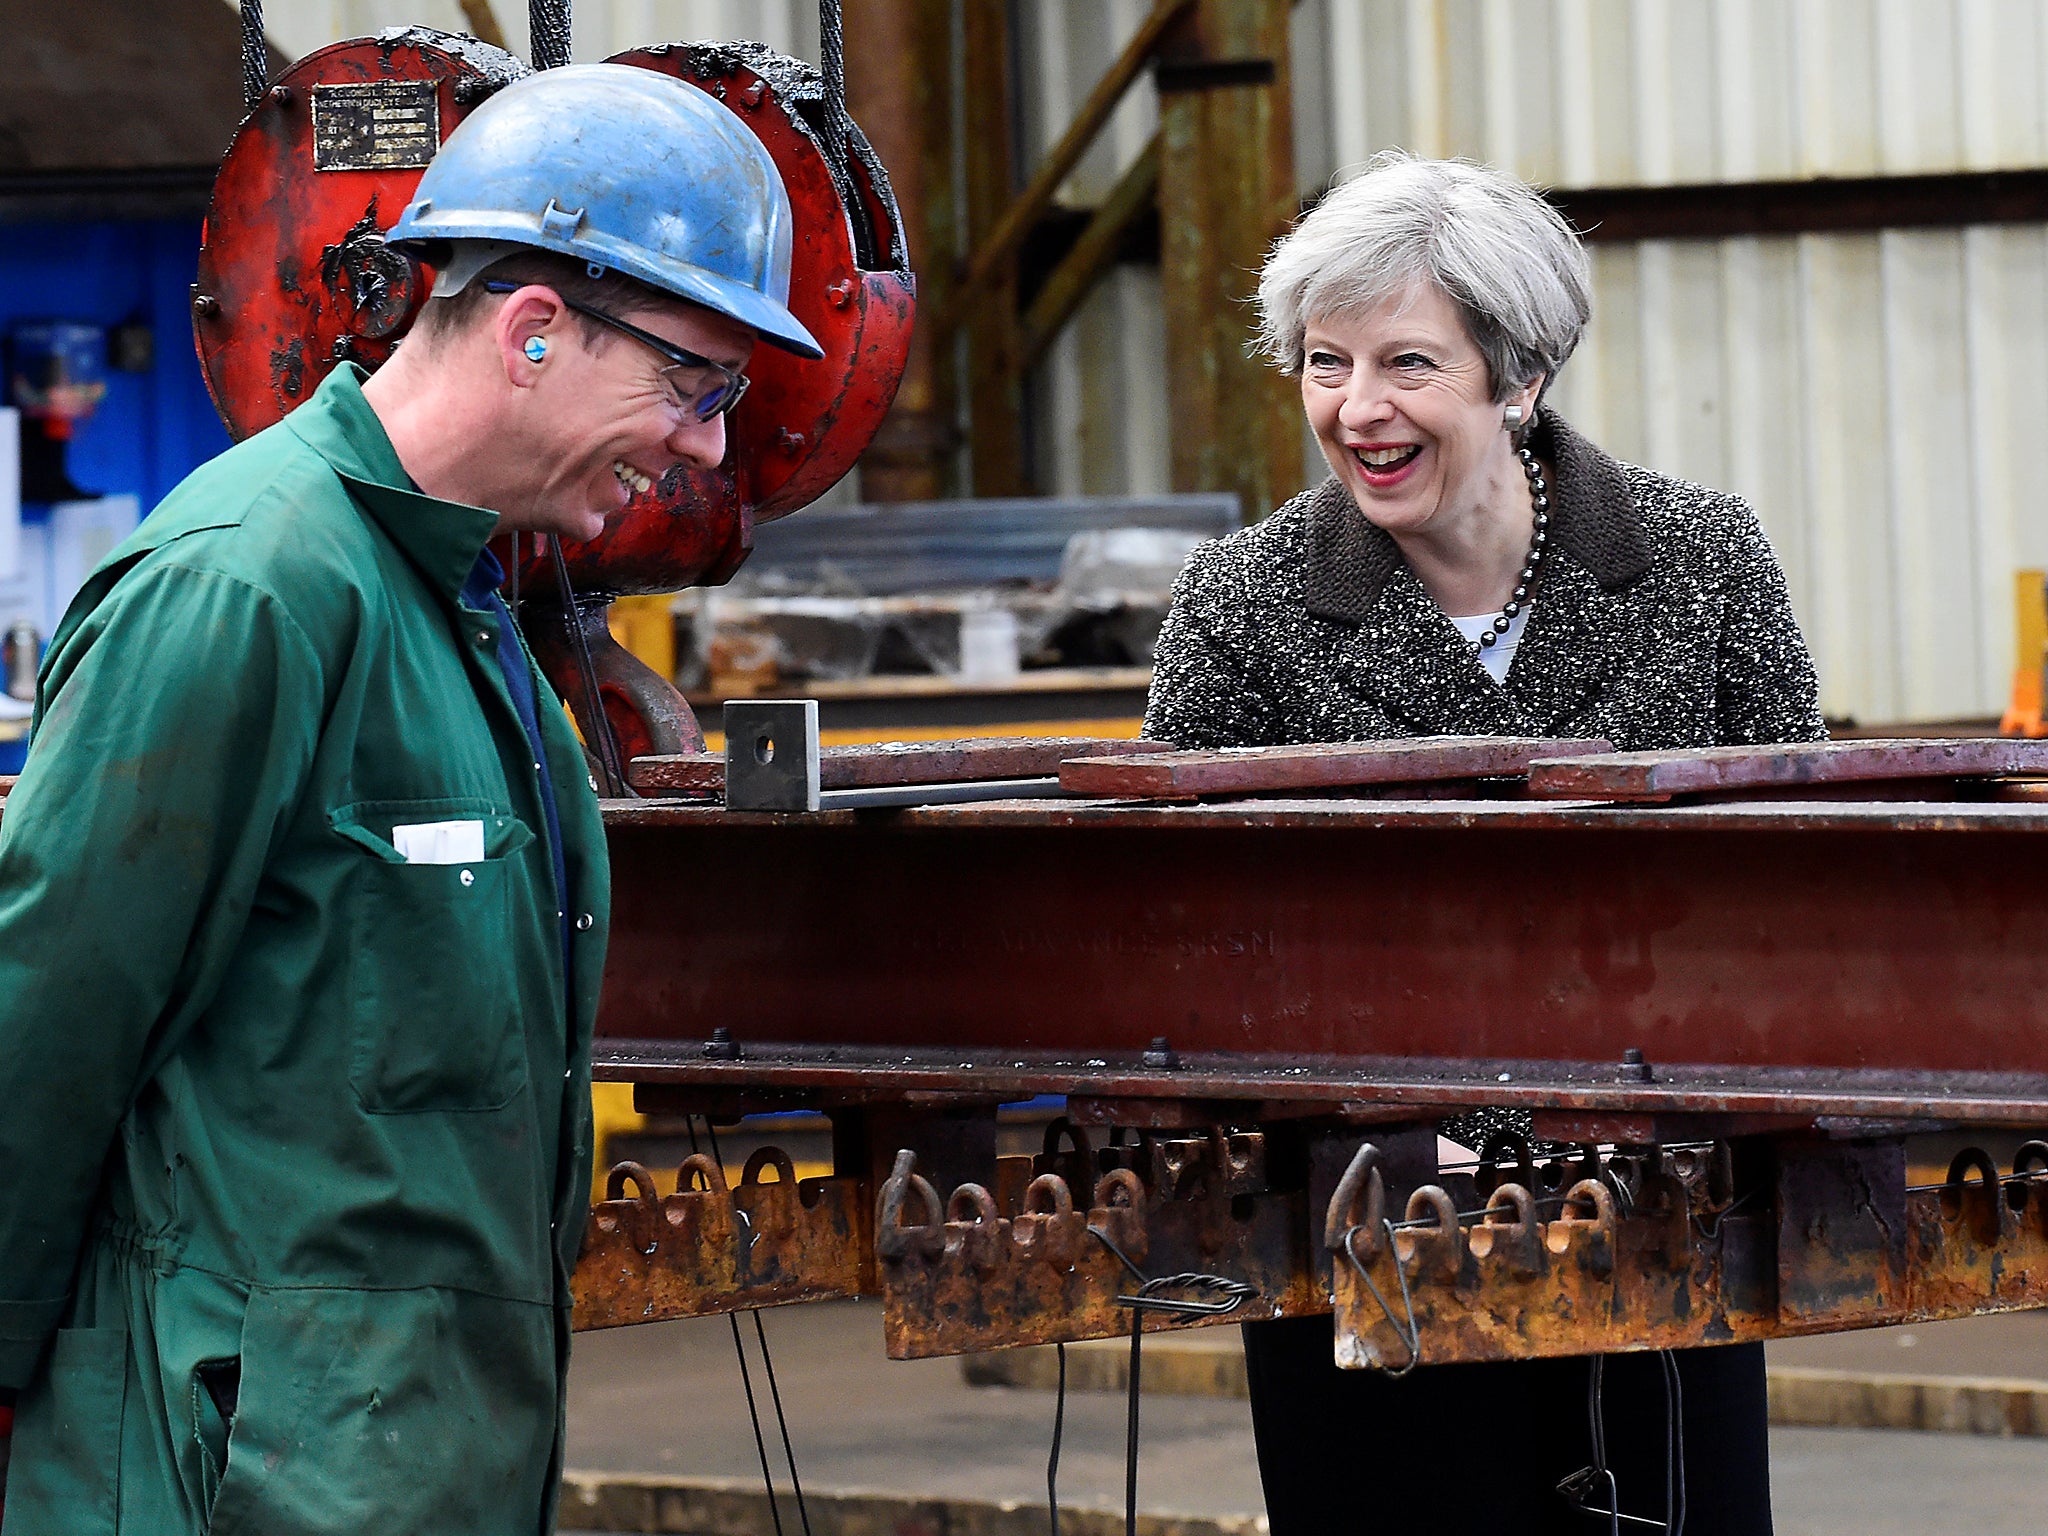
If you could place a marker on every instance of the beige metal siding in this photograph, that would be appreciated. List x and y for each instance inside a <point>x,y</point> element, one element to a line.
<point>1872,395</point>
<point>1644,92</point>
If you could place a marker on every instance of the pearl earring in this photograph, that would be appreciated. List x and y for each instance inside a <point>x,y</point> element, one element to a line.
<point>536,350</point>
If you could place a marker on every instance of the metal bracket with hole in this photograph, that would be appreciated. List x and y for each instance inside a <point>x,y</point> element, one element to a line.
<point>771,755</point>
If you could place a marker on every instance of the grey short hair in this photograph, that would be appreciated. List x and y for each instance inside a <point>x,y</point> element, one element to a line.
<point>1491,243</point>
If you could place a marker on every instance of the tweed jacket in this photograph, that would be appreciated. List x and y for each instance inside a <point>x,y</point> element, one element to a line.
<point>1659,619</point>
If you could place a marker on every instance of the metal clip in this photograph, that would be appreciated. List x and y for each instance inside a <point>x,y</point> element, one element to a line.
<point>558,223</point>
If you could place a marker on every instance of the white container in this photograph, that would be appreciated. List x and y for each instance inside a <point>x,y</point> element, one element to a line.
<point>988,645</point>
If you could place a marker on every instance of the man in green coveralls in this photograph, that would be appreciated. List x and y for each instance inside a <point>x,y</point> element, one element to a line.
<point>303,890</point>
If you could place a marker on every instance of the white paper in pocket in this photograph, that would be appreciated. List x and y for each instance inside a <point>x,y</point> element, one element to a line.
<point>440,842</point>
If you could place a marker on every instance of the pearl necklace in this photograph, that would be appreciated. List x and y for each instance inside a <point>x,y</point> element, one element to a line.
<point>1539,498</point>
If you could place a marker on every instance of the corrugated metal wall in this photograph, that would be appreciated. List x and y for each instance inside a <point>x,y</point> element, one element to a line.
<point>1877,396</point>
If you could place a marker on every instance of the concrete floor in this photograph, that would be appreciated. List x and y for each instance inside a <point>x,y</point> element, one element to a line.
<point>666,1399</point>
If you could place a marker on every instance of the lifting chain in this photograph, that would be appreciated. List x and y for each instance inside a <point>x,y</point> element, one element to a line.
<point>255,54</point>
<point>547,28</point>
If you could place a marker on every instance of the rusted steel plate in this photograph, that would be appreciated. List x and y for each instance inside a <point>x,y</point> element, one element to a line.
<point>1841,1242</point>
<point>1158,775</point>
<point>1347,942</point>
<point>1593,1279</point>
<point>1019,1264</point>
<point>874,765</point>
<point>1383,813</point>
<point>708,1250</point>
<point>1688,1099</point>
<point>1980,1243</point>
<point>1660,775</point>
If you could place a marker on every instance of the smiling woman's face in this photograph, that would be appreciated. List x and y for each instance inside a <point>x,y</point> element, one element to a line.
<point>1402,405</point>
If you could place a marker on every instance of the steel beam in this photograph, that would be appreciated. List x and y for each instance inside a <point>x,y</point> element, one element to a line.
<point>1819,958</point>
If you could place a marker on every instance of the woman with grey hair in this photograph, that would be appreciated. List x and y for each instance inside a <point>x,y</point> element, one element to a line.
<point>1473,566</point>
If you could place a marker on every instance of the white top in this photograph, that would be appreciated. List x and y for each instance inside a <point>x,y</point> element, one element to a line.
<point>1497,657</point>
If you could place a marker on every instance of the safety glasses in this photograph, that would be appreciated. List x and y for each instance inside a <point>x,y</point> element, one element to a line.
<point>695,385</point>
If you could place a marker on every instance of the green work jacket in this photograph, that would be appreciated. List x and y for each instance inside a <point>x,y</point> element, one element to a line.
<point>277,1105</point>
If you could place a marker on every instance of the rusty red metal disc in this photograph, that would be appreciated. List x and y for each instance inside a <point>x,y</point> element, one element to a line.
<point>293,273</point>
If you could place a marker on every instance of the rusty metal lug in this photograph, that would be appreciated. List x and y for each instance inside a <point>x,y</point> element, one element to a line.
<point>1493,1157</point>
<point>898,1242</point>
<point>1359,1205</point>
<point>765,1158</point>
<point>976,1233</point>
<point>698,1166</point>
<point>637,1219</point>
<point>1076,1163</point>
<point>1508,1236</point>
<point>1118,1212</point>
<point>1220,1163</point>
<point>1979,1206</point>
<point>1435,1252</point>
<point>1048,1229</point>
<point>2028,1189</point>
<point>1583,1232</point>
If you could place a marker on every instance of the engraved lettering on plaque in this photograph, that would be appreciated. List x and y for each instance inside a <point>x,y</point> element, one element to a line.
<point>375,125</point>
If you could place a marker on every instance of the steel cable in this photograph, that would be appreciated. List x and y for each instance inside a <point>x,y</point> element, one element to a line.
<point>255,54</point>
<point>803,1514</point>
<point>597,725</point>
<point>1059,1423</point>
<point>832,62</point>
<point>1131,1425</point>
<point>547,25</point>
<point>1230,1293</point>
<point>768,1365</point>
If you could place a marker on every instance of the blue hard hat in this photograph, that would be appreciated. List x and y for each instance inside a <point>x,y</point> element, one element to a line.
<point>629,170</point>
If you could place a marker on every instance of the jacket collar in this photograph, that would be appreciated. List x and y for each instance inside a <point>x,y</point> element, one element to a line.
<point>1593,519</point>
<point>442,538</point>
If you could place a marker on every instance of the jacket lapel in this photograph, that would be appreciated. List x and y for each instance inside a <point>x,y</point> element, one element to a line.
<point>1580,637</point>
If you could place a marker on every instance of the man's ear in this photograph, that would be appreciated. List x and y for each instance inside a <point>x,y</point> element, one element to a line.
<point>528,330</point>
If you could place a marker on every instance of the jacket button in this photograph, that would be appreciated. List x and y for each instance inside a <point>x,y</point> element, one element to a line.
<point>584,921</point>
<point>593,783</point>
<point>483,637</point>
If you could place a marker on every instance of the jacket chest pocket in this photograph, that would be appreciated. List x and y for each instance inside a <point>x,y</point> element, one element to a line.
<point>436,933</point>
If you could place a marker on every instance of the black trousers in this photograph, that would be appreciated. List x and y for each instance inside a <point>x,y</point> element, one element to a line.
<point>1450,1449</point>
